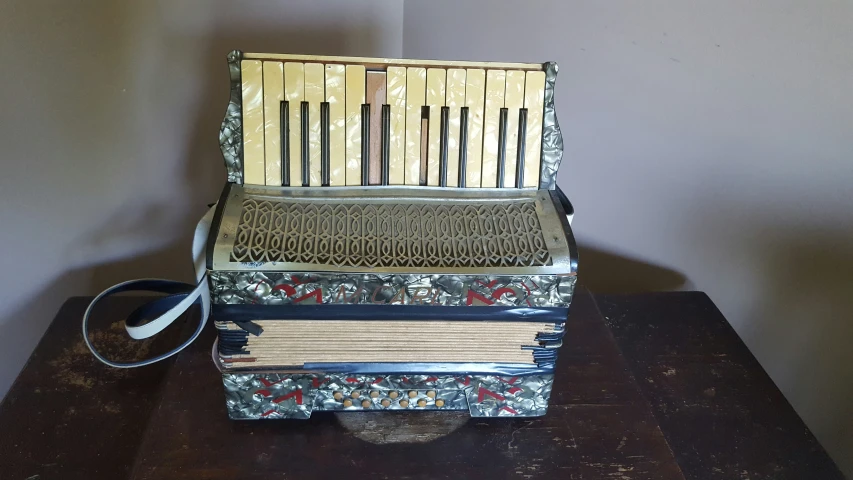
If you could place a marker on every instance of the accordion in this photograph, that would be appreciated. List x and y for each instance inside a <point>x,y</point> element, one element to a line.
<point>391,237</point>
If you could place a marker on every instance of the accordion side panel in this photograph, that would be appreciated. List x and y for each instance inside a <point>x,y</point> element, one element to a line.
<point>257,396</point>
<point>253,122</point>
<point>231,130</point>
<point>300,288</point>
<point>552,137</point>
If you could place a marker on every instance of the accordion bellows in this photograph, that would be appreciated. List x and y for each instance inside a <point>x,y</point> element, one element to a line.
<point>391,237</point>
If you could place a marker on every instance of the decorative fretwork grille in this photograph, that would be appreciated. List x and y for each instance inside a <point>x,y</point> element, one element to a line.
<point>391,235</point>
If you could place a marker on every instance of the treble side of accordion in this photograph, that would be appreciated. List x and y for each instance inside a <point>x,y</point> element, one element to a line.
<point>391,237</point>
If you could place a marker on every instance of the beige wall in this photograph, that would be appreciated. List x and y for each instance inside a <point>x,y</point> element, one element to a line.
<point>713,140</point>
<point>109,139</point>
<point>708,146</point>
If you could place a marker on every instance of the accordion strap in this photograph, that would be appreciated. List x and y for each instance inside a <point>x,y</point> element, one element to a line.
<point>151,318</point>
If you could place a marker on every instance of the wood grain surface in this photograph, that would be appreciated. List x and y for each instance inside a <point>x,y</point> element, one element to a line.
<point>661,389</point>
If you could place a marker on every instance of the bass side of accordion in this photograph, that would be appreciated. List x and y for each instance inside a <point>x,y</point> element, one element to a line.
<point>391,237</point>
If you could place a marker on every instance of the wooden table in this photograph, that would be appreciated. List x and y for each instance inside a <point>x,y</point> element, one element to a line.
<point>652,386</point>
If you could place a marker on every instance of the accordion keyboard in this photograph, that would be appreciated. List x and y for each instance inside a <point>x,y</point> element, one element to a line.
<point>326,121</point>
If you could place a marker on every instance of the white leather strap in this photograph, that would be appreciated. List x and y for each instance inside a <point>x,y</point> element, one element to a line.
<point>199,293</point>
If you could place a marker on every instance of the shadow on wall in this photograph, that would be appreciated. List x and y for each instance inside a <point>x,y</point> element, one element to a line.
<point>203,176</point>
<point>799,324</point>
<point>204,173</point>
<point>605,272</point>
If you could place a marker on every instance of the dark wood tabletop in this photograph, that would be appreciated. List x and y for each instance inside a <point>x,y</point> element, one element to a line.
<point>648,386</point>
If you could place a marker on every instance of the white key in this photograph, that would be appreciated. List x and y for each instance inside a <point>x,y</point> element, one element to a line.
<point>455,100</point>
<point>376,85</point>
<point>252,78</point>
<point>495,87</point>
<point>513,101</point>
<point>396,93</point>
<point>415,96</point>
<point>435,95</point>
<point>355,89</point>
<point>336,96</point>
<point>273,95</point>
<point>314,95</point>
<point>294,93</point>
<point>475,100</point>
<point>534,102</point>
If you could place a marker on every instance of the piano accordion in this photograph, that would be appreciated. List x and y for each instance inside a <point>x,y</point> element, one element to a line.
<point>391,237</point>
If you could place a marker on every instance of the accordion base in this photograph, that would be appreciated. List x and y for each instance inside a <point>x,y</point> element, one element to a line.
<point>254,396</point>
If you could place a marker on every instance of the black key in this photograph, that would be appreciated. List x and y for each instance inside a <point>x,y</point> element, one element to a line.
<point>502,146</point>
<point>325,159</point>
<point>386,143</point>
<point>463,145</point>
<point>522,141</point>
<point>306,175</point>
<point>365,145</point>
<point>284,115</point>
<point>442,162</point>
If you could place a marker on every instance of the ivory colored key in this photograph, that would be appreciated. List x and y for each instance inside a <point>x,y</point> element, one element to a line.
<point>435,95</point>
<point>455,100</point>
<point>336,97</point>
<point>355,88</point>
<point>475,100</point>
<point>294,93</point>
<point>415,96</point>
<point>273,95</point>
<point>513,100</point>
<point>376,97</point>
<point>314,95</point>
<point>534,102</point>
<point>396,93</point>
<point>495,87</point>
<point>253,122</point>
